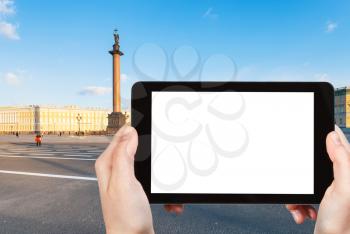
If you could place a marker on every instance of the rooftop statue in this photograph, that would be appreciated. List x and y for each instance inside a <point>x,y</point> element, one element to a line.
<point>116,37</point>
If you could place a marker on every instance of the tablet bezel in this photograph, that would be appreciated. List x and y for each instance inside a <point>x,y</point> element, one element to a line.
<point>323,124</point>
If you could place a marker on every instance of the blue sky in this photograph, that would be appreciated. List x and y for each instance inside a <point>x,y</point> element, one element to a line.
<point>56,52</point>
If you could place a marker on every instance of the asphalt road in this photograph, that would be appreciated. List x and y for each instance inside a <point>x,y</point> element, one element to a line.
<point>52,189</point>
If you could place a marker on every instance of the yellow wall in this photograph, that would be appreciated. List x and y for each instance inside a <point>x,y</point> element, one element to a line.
<point>52,119</point>
<point>347,103</point>
<point>341,109</point>
<point>13,119</point>
<point>64,120</point>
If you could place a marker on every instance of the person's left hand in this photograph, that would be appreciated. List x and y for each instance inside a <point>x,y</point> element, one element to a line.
<point>125,206</point>
<point>299,212</point>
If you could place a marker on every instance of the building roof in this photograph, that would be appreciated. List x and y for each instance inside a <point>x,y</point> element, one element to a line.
<point>343,88</point>
<point>72,107</point>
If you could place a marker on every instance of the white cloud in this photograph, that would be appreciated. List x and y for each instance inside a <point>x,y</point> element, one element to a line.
<point>210,14</point>
<point>8,30</point>
<point>331,26</point>
<point>95,90</point>
<point>7,7</point>
<point>12,79</point>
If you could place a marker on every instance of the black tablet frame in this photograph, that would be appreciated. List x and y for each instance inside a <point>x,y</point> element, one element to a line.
<point>323,124</point>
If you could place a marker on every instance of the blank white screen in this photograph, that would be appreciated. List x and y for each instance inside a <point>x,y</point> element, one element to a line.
<point>233,142</point>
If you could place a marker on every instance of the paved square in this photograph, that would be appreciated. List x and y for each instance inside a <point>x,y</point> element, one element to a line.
<point>53,189</point>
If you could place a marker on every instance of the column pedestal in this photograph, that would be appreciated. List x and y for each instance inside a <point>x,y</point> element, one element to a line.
<point>116,120</point>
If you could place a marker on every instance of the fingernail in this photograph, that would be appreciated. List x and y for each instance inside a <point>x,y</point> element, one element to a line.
<point>121,131</point>
<point>125,131</point>
<point>341,135</point>
<point>130,147</point>
<point>335,138</point>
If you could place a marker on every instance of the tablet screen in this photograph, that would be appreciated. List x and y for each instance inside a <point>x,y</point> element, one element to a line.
<point>232,142</point>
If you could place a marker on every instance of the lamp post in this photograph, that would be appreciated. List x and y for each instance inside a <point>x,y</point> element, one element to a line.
<point>79,117</point>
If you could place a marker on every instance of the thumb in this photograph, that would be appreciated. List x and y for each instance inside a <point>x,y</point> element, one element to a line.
<point>124,152</point>
<point>341,160</point>
<point>343,138</point>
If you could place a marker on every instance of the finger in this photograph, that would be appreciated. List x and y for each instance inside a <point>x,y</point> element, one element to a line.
<point>298,212</point>
<point>123,155</point>
<point>175,208</point>
<point>304,215</point>
<point>292,207</point>
<point>312,213</point>
<point>340,158</point>
<point>310,210</point>
<point>343,138</point>
<point>103,165</point>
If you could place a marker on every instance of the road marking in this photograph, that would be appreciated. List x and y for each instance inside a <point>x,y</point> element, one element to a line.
<point>48,175</point>
<point>43,157</point>
<point>68,153</point>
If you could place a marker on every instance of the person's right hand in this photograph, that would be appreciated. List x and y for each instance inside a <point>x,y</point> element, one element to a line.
<point>334,211</point>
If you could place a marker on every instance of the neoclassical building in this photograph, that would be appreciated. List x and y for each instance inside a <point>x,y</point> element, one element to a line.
<point>342,107</point>
<point>52,119</point>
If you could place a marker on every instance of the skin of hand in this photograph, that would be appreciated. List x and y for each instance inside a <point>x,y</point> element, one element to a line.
<point>126,208</point>
<point>124,204</point>
<point>334,211</point>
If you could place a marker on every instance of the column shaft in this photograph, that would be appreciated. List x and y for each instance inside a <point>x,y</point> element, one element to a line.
<point>116,83</point>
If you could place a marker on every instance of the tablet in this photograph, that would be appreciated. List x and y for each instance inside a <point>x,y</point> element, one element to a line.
<point>233,142</point>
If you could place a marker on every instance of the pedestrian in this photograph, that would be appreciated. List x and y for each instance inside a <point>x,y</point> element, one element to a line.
<point>38,140</point>
<point>17,134</point>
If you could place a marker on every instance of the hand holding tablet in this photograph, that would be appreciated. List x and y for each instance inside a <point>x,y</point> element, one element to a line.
<point>212,142</point>
<point>126,208</point>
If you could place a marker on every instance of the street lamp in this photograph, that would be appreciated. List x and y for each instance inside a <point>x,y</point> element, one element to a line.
<point>79,117</point>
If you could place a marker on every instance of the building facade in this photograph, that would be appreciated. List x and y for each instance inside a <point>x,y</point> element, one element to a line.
<point>16,119</point>
<point>51,119</point>
<point>342,107</point>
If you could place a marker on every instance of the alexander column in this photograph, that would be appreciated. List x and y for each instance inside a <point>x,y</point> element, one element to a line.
<point>116,119</point>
